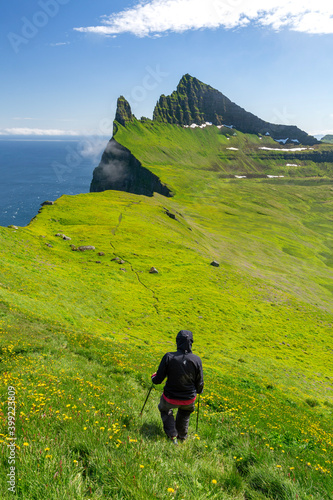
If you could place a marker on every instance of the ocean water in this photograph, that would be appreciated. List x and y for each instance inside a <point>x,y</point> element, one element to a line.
<point>33,171</point>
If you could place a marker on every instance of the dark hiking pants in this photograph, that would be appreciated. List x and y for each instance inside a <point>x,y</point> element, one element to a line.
<point>179,427</point>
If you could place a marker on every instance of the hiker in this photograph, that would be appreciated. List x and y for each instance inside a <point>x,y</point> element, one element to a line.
<point>183,370</point>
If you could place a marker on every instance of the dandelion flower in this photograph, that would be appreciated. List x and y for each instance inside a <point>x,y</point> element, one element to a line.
<point>171,490</point>
<point>25,444</point>
<point>141,466</point>
<point>214,481</point>
<point>46,449</point>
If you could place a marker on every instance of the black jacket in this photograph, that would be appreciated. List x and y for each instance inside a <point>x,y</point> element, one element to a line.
<point>183,370</point>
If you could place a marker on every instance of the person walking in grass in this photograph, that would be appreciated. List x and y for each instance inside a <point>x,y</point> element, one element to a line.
<point>183,370</point>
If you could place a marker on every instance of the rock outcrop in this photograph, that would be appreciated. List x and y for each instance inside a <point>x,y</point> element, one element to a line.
<point>196,102</point>
<point>121,171</point>
<point>124,113</point>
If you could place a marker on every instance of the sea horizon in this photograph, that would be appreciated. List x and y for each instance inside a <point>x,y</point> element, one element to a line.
<point>37,169</point>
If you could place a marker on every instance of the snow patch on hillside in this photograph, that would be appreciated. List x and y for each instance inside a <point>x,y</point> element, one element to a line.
<point>284,149</point>
<point>207,124</point>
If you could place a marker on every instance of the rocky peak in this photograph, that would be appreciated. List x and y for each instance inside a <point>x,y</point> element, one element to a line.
<point>196,102</point>
<point>124,113</point>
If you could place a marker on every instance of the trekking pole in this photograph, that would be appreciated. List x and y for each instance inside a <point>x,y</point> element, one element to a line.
<point>146,399</point>
<point>196,430</point>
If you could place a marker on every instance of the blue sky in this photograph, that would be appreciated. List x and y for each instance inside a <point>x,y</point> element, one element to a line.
<point>65,62</point>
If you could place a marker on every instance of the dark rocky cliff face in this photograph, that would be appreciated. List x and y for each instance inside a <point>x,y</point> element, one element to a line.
<point>196,102</point>
<point>121,171</point>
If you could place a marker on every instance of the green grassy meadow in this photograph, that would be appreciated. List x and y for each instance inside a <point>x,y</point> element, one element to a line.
<point>80,333</point>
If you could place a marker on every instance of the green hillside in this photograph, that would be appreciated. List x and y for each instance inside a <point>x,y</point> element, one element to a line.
<point>328,138</point>
<point>81,331</point>
<point>218,153</point>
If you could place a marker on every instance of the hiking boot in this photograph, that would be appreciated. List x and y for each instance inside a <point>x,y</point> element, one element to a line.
<point>174,440</point>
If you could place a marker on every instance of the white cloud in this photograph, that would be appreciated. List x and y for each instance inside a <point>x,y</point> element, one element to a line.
<point>92,147</point>
<point>150,17</point>
<point>58,44</point>
<point>36,131</point>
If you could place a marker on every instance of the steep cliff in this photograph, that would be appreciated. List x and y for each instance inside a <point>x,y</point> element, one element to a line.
<point>121,171</point>
<point>196,102</point>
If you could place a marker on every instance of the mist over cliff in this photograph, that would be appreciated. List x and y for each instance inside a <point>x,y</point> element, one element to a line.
<point>121,171</point>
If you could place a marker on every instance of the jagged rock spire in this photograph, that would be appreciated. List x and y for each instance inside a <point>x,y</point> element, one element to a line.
<point>124,113</point>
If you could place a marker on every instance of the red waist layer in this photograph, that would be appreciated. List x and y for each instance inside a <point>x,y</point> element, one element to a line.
<point>179,401</point>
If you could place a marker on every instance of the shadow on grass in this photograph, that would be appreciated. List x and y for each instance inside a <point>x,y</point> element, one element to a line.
<point>151,430</point>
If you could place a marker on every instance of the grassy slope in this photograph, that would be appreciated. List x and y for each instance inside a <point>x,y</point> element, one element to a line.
<point>255,226</point>
<point>81,333</point>
<point>162,146</point>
